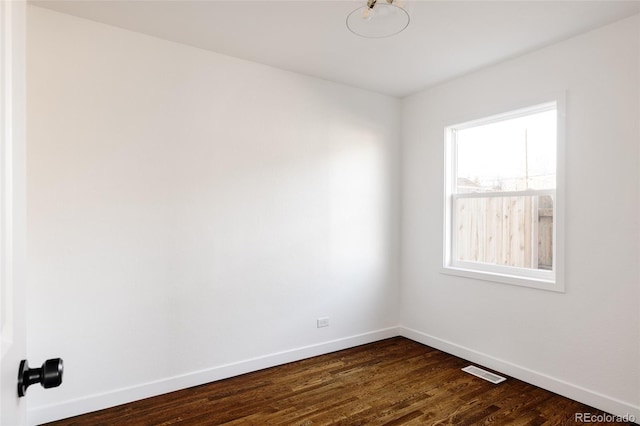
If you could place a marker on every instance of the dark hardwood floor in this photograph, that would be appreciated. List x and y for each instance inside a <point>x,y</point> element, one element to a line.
<point>391,382</point>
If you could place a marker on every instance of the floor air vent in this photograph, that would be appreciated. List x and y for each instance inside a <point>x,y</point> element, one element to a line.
<point>483,374</point>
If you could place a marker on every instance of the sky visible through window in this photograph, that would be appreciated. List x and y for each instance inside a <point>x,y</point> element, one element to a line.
<point>511,155</point>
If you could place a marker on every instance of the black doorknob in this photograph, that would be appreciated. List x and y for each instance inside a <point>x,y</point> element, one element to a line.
<point>49,375</point>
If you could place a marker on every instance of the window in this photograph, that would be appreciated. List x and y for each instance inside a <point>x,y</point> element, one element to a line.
<point>501,204</point>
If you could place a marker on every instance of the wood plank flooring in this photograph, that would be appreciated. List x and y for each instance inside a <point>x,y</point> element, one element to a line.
<point>391,382</point>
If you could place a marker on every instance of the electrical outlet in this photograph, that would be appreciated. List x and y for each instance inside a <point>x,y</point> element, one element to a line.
<point>323,322</point>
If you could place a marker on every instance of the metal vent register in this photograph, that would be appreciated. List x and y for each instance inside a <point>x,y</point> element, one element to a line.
<point>484,374</point>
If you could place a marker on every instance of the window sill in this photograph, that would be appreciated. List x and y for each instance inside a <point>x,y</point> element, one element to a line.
<point>537,283</point>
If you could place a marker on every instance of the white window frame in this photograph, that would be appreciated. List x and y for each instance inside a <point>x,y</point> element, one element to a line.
<point>534,278</point>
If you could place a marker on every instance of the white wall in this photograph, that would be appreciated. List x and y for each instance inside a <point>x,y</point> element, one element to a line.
<point>583,343</point>
<point>191,215</point>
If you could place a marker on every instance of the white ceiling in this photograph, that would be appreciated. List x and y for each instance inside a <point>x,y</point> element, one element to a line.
<point>445,39</point>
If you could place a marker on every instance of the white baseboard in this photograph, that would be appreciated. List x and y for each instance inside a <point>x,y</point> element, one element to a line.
<point>569,390</point>
<point>96,402</point>
<point>122,396</point>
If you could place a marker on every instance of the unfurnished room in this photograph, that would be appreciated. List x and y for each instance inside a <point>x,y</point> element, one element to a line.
<point>317,212</point>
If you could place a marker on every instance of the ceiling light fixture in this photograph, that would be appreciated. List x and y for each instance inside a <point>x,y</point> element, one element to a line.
<point>378,19</point>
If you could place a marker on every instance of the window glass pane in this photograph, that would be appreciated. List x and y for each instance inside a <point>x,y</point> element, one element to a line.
<point>507,231</point>
<point>510,155</point>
